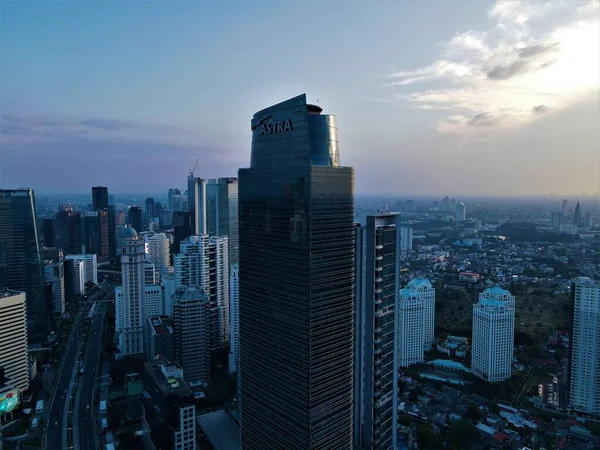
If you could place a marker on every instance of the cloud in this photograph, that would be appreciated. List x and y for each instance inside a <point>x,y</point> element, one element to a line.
<point>17,128</point>
<point>531,58</point>
<point>540,109</point>
<point>507,71</point>
<point>105,151</point>
<point>483,120</point>
<point>537,49</point>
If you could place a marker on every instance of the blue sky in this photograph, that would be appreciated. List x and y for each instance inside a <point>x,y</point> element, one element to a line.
<point>431,97</point>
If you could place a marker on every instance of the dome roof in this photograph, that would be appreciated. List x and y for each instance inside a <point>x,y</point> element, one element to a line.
<point>130,232</point>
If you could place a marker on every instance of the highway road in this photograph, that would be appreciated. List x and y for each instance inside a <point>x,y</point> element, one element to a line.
<point>85,427</point>
<point>57,422</point>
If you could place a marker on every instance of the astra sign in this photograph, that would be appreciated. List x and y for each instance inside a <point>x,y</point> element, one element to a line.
<point>276,127</point>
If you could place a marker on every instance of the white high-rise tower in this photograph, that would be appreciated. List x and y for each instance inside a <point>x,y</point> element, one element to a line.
<point>584,359</point>
<point>461,212</point>
<point>493,335</point>
<point>158,251</point>
<point>203,262</point>
<point>427,295</point>
<point>411,327</point>
<point>129,297</point>
<point>14,357</point>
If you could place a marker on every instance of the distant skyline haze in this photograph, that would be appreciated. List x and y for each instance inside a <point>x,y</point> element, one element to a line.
<point>481,98</point>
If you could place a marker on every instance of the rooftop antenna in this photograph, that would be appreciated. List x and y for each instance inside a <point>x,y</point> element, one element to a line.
<point>193,170</point>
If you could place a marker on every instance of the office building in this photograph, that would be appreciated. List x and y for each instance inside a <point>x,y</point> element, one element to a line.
<point>203,261</point>
<point>169,287</point>
<point>148,213</point>
<point>21,262</point>
<point>577,216</point>
<point>158,251</point>
<point>376,377</point>
<point>129,297</point>
<point>173,194</point>
<point>493,335</point>
<point>197,204</point>
<point>565,203</point>
<point>153,300</point>
<point>556,219</point>
<point>193,334</point>
<point>160,338</point>
<point>49,232</point>
<point>406,242</point>
<point>446,203</point>
<point>96,235</point>
<point>588,220</point>
<point>166,218</point>
<point>182,229</point>
<point>584,356</point>
<point>461,212</point>
<point>168,407</point>
<point>135,219</point>
<point>222,212</point>
<point>234,317</point>
<point>54,275</point>
<point>99,197</point>
<point>90,267</point>
<point>296,283</point>
<point>411,327</point>
<point>14,357</point>
<point>427,293</point>
<point>74,277</point>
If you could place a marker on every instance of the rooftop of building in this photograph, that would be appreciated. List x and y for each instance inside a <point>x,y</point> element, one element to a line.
<point>190,293</point>
<point>135,388</point>
<point>492,303</point>
<point>420,283</point>
<point>496,290</point>
<point>168,376</point>
<point>161,325</point>
<point>8,293</point>
<point>130,232</point>
<point>448,364</point>
<point>221,430</point>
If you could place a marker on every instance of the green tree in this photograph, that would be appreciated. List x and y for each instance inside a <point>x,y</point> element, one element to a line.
<point>473,413</point>
<point>427,439</point>
<point>461,435</point>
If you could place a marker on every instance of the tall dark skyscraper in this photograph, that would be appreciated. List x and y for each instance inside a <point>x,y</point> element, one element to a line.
<point>296,283</point>
<point>135,218</point>
<point>222,212</point>
<point>99,197</point>
<point>377,285</point>
<point>68,231</point>
<point>100,202</point>
<point>149,213</point>
<point>577,216</point>
<point>95,234</point>
<point>49,228</point>
<point>21,261</point>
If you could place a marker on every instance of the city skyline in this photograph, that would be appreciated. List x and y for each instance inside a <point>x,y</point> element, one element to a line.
<point>472,103</point>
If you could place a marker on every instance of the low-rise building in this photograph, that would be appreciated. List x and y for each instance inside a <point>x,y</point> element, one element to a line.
<point>168,411</point>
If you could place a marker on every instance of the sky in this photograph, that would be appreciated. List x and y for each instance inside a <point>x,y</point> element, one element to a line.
<point>471,97</point>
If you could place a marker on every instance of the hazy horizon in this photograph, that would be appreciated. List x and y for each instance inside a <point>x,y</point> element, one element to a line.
<point>487,98</point>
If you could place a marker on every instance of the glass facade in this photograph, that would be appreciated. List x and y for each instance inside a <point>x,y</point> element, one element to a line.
<point>21,262</point>
<point>296,240</point>
<point>222,212</point>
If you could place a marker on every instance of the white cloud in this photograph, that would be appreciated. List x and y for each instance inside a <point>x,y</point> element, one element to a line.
<point>534,59</point>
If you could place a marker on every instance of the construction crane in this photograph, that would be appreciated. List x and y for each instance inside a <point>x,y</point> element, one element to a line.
<point>193,171</point>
